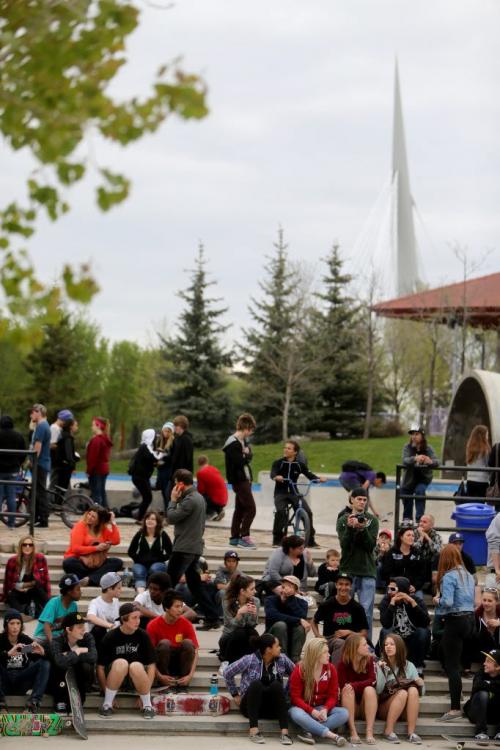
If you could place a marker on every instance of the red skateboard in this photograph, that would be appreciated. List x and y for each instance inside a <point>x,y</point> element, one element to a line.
<point>191,704</point>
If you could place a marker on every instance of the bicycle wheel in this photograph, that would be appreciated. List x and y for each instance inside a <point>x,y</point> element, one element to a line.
<point>302,525</point>
<point>23,505</point>
<point>74,505</point>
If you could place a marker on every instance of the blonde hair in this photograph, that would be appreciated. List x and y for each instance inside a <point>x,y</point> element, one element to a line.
<point>20,557</point>
<point>312,655</point>
<point>477,444</point>
<point>332,553</point>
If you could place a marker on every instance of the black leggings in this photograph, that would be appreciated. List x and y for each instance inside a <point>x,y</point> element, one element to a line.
<point>144,487</point>
<point>236,644</point>
<point>481,709</point>
<point>456,631</point>
<point>265,702</point>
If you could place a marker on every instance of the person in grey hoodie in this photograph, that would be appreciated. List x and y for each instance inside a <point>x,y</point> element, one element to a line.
<point>291,559</point>
<point>186,510</point>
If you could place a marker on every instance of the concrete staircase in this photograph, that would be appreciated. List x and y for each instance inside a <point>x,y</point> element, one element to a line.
<point>127,718</point>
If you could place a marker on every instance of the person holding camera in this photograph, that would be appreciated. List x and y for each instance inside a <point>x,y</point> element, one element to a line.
<point>357,531</point>
<point>22,663</point>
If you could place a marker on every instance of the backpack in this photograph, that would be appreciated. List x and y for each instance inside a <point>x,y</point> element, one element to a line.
<point>355,466</point>
<point>127,511</point>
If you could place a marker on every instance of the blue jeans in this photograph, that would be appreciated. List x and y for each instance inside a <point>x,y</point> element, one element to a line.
<point>336,717</point>
<point>141,572</point>
<point>97,484</point>
<point>34,676</point>
<point>364,587</point>
<point>8,491</point>
<point>420,489</point>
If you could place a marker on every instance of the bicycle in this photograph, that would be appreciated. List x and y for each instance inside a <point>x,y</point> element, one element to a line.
<point>297,517</point>
<point>70,504</point>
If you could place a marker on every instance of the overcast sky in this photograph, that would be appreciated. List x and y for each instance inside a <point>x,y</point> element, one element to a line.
<point>299,134</point>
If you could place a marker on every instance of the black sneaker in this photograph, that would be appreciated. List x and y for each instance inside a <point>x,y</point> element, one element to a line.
<point>33,707</point>
<point>148,712</point>
<point>106,710</point>
<point>209,625</point>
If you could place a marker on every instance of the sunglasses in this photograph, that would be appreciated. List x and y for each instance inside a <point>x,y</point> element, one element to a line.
<point>490,590</point>
<point>27,544</point>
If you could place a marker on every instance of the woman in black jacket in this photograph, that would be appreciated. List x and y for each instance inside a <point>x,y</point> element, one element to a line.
<point>403,560</point>
<point>150,549</point>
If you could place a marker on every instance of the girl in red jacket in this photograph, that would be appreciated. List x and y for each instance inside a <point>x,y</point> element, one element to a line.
<point>98,453</point>
<point>314,693</point>
<point>357,684</point>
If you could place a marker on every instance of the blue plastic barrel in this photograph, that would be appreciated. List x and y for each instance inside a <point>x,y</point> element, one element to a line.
<point>477,516</point>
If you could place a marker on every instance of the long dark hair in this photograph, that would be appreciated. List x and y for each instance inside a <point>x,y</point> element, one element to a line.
<point>262,642</point>
<point>159,523</point>
<point>234,587</point>
<point>400,657</point>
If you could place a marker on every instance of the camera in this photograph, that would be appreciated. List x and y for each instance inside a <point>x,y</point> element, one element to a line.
<point>360,517</point>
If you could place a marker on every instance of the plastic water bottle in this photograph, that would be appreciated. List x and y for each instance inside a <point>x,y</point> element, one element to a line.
<point>214,684</point>
<point>32,609</point>
<point>127,577</point>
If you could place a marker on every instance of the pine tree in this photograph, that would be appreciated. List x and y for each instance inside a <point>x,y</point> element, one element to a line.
<point>341,376</point>
<point>275,347</point>
<point>196,362</point>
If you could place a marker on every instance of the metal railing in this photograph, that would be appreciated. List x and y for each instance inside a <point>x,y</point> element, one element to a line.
<point>33,457</point>
<point>400,495</point>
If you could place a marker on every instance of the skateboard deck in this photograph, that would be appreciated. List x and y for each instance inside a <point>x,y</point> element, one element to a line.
<point>32,725</point>
<point>461,742</point>
<point>191,704</point>
<point>76,705</point>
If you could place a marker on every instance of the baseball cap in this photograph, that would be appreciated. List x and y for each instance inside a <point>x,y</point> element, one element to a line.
<point>456,537</point>
<point>386,532</point>
<point>416,428</point>
<point>359,492</point>
<point>12,614</point>
<point>127,609</point>
<point>109,579</point>
<point>293,580</point>
<point>65,414</point>
<point>74,618</point>
<point>493,654</point>
<point>231,555</point>
<point>68,581</point>
<point>344,577</point>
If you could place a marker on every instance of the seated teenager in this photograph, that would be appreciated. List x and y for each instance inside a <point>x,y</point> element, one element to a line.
<point>314,695</point>
<point>225,572</point>
<point>175,644</point>
<point>126,652</point>
<point>22,664</point>
<point>102,614</point>
<point>356,673</point>
<point>405,615</point>
<point>290,560</point>
<point>90,542</point>
<point>384,544</point>
<point>56,609</point>
<point>286,617</point>
<point>150,602</point>
<point>241,617</point>
<point>394,666</point>
<point>341,616</point>
<point>76,649</point>
<point>484,704</point>
<point>403,560</point>
<point>328,573</point>
<point>150,549</point>
<point>487,616</point>
<point>261,694</point>
<point>26,585</point>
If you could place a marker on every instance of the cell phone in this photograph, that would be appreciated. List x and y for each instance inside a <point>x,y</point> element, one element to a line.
<point>181,486</point>
<point>28,648</point>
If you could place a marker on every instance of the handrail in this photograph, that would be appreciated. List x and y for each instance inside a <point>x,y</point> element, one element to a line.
<point>33,455</point>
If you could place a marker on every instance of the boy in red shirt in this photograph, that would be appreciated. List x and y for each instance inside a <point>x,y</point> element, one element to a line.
<point>211,484</point>
<point>175,643</point>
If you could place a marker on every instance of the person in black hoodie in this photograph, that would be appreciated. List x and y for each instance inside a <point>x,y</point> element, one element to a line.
<point>10,464</point>
<point>238,456</point>
<point>74,649</point>
<point>484,703</point>
<point>407,617</point>
<point>22,663</point>
<point>150,549</point>
<point>141,469</point>
<point>65,456</point>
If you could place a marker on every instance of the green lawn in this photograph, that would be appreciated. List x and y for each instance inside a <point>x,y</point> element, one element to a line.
<point>323,455</point>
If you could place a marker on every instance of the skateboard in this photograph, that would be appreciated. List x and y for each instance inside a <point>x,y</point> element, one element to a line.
<point>32,725</point>
<point>76,705</point>
<point>461,742</point>
<point>191,704</point>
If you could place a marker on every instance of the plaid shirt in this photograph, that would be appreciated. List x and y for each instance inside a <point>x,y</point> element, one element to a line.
<point>428,551</point>
<point>40,574</point>
<point>250,667</point>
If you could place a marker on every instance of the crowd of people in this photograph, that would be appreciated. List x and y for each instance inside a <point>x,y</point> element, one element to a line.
<point>321,672</point>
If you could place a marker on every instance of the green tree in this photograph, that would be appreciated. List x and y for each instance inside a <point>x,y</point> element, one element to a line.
<point>276,347</point>
<point>196,361</point>
<point>340,372</point>
<point>121,392</point>
<point>57,61</point>
<point>67,368</point>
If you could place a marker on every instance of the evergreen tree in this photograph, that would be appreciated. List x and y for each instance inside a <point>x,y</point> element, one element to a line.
<point>341,374</point>
<point>196,362</point>
<point>275,348</point>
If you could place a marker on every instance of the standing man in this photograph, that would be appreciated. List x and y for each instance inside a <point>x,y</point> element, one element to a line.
<point>55,434</point>
<point>286,472</point>
<point>238,456</point>
<point>10,464</point>
<point>358,533</point>
<point>186,511</point>
<point>40,443</point>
